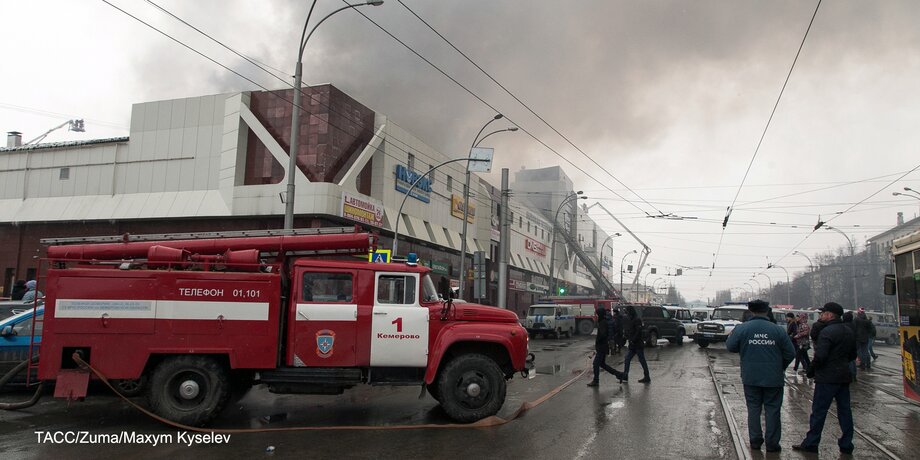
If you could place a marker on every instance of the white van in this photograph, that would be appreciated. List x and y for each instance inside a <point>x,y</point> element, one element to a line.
<point>886,326</point>
<point>550,319</point>
<point>685,316</point>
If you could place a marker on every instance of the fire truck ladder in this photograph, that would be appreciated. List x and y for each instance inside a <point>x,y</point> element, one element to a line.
<point>128,238</point>
<point>602,281</point>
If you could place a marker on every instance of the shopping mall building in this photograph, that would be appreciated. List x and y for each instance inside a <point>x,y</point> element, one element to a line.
<point>219,163</point>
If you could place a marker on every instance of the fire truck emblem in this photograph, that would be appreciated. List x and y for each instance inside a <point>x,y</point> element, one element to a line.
<point>325,340</point>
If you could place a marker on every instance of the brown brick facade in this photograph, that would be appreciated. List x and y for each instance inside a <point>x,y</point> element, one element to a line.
<point>334,129</point>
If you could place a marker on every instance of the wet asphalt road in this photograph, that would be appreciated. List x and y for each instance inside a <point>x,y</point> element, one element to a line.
<point>679,415</point>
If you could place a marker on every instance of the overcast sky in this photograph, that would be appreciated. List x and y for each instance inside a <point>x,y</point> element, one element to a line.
<point>670,97</point>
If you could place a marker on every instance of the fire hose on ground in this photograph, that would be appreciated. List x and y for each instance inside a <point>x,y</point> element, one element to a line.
<point>9,376</point>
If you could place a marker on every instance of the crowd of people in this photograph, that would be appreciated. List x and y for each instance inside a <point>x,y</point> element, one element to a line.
<point>842,342</point>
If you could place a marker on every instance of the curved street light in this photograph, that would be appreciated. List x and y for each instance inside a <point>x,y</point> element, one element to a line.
<point>788,286</point>
<point>752,290</point>
<point>759,287</point>
<point>852,258</point>
<point>295,112</point>
<point>623,261</point>
<point>466,200</point>
<point>575,196</point>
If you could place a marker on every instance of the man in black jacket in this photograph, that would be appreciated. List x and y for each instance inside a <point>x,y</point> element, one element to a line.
<point>602,348</point>
<point>632,329</point>
<point>835,348</point>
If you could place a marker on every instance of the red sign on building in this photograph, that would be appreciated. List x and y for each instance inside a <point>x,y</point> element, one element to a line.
<point>535,247</point>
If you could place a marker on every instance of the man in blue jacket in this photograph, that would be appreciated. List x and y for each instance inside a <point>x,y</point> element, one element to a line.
<point>766,351</point>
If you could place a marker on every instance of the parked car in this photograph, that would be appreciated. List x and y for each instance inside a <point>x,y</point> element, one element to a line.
<point>685,316</point>
<point>886,326</point>
<point>15,335</point>
<point>660,324</point>
<point>723,322</point>
<point>550,319</point>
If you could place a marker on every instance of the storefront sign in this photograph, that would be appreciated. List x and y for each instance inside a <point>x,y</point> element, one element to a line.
<point>517,285</point>
<point>405,177</point>
<point>538,288</point>
<point>456,208</point>
<point>535,247</point>
<point>440,268</point>
<point>362,209</point>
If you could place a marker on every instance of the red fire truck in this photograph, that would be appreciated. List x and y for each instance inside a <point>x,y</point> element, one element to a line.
<point>199,318</point>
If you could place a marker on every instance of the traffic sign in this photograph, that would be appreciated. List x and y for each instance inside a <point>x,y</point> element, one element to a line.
<point>380,256</point>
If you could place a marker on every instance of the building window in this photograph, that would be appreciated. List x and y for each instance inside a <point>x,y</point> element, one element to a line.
<point>520,222</point>
<point>430,175</point>
<point>65,174</point>
<point>411,162</point>
<point>450,184</point>
<point>528,226</point>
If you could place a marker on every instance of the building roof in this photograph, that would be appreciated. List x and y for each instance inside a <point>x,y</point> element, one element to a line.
<point>56,145</point>
<point>908,226</point>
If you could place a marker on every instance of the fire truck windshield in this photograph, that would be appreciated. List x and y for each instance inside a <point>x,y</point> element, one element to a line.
<point>429,293</point>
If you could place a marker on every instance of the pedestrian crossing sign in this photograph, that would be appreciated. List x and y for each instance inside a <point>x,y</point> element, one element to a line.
<point>380,256</point>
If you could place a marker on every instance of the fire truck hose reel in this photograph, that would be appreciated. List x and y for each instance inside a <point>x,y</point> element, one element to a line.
<point>492,421</point>
<point>22,404</point>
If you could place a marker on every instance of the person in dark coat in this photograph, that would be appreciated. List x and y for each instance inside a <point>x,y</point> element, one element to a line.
<point>19,290</point>
<point>847,319</point>
<point>617,339</point>
<point>766,350</point>
<point>632,330</point>
<point>864,331</point>
<point>602,348</point>
<point>834,350</point>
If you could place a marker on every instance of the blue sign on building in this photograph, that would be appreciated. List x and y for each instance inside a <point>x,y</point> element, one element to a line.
<point>405,177</point>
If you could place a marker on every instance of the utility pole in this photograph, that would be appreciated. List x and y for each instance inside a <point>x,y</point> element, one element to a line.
<point>503,244</point>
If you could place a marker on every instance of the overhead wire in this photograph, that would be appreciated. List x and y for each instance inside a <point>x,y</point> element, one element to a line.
<point>765,129</point>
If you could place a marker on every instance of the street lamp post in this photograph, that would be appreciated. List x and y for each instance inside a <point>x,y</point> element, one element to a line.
<point>295,110</point>
<point>552,252</point>
<point>770,285</point>
<point>788,287</point>
<point>409,192</point>
<point>753,296</point>
<point>759,287</point>
<point>623,261</point>
<point>601,253</point>
<point>466,203</point>
<point>852,260</point>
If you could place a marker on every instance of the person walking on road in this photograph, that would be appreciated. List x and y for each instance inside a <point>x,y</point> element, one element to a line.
<point>802,342</point>
<point>834,350</point>
<point>602,347</point>
<point>632,330</point>
<point>872,334</point>
<point>617,337</point>
<point>864,330</point>
<point>766,350</point>
<point>847,319</point>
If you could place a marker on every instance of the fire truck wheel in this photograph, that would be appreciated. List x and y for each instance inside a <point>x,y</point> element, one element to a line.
<point>471,387</point>
<point>130,387</point>
<point>189,389</point>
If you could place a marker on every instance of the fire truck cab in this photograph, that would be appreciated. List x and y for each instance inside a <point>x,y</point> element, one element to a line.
<point>201,319</point>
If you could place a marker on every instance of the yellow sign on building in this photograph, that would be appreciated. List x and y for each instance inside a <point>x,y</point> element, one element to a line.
<point>456,208</point>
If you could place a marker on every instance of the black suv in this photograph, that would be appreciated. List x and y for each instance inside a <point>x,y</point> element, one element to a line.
<point>659,324</point>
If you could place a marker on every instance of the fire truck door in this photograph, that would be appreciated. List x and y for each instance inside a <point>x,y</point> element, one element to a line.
<point>326,319</point>
<point>399,328</point>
